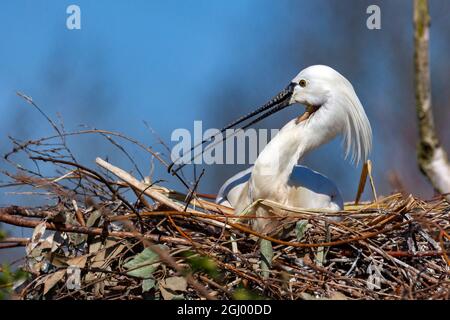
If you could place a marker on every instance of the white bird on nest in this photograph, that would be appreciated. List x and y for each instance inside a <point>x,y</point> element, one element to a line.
<point>332,109</point>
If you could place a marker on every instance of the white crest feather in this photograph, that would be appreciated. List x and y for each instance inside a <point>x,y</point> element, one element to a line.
<point>357,137</point>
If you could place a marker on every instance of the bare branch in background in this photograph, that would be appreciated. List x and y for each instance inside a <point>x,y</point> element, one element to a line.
<point>432,158</point>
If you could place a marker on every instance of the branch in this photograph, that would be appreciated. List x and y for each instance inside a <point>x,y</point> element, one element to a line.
<point>9,215</point>
<point>155,194</point>
<point>432,158</point>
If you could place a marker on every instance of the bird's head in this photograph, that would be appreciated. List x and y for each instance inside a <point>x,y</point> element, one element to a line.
<point>331,102</point>
<point>331,107</point>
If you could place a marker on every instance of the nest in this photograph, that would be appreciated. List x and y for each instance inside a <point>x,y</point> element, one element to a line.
<point>104,234</point>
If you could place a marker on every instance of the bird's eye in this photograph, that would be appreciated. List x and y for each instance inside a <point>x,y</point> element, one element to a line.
<point>302,83</point>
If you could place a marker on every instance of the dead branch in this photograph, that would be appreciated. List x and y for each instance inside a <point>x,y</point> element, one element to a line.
<point>9,215</point>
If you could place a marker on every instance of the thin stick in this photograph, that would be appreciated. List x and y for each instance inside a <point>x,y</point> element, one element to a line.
<point>133,182</point>
<point>362,182</point>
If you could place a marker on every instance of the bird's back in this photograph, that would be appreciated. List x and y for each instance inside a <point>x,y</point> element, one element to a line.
<point>313,190</point>
<point>306,189</point>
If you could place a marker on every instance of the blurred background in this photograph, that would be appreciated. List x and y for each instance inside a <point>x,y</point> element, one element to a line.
<point>169,63</point>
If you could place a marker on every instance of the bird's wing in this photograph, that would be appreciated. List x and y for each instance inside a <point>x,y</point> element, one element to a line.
<point>233,186</point>
<point>312,184</point>
<point>315,182</point>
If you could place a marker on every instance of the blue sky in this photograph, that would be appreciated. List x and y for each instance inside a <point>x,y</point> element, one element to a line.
<point>172,62</point>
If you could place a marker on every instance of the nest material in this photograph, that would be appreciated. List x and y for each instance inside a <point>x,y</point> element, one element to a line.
<point>109,235</point>
<point>394,249</point>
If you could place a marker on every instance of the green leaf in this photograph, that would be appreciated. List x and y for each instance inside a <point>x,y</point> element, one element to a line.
<point>143,264</point>
<point>202,264</point>
<point>5,275</point>
<point>266,257</point>
<point>320,256</point>
<point>300,229</point>
<point>8,278</point>
<point>148,284</point>
<point>246,294</point>
<point>20,274</point>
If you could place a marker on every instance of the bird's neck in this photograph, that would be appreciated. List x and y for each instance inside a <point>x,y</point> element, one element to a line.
<point>275,163</point>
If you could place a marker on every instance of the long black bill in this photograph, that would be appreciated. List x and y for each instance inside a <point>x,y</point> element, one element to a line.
<point>277,103</point>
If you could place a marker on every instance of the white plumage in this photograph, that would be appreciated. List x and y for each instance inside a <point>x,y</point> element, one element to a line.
<point>332,109</point>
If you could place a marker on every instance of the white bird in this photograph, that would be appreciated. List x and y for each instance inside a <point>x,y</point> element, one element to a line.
<point>332,109</point>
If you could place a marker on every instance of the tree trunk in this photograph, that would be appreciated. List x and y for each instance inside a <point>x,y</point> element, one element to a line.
<point>432,158</point>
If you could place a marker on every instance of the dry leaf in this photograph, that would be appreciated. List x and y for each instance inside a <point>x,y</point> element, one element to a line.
<point>52,280</point>
<point>78,262</point>
<point>38,232</point>
<point>93,217</point>
<point>48,242</point>
<point>95,245</point>
<point>175,283</point>
<point>166,294</point>
<point>335,295</point>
